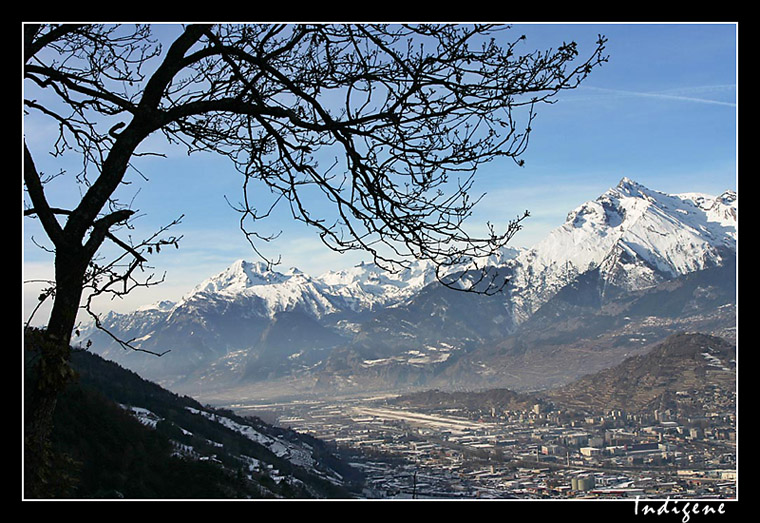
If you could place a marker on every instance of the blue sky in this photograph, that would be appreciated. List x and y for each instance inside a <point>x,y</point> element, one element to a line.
<point>662,112</point>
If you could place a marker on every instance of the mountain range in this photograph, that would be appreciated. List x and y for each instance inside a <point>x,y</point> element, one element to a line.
<point>622,273</point>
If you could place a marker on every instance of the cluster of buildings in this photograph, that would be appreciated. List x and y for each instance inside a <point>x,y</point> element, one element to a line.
<point>526,454</point>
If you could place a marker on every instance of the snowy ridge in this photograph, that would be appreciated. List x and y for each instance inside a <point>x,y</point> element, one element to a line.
<point>366,286</point>
<point>362,287</point>
<point>298,454</point>
<point>267,291</point>
<point>635,236</point>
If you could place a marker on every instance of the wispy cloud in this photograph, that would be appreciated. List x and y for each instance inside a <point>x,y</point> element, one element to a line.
<point>679,94</point>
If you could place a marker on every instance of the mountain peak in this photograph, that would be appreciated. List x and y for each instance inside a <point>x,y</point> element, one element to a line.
<point>251,267</point>
<point>633,235</point>
<point>626,182</point>
<point>631,188</point>
<point>728,197</point>
<point>239,276</point>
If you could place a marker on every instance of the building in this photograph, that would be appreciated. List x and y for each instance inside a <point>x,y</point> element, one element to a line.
<point>591,451</point>
<point>582,484</point>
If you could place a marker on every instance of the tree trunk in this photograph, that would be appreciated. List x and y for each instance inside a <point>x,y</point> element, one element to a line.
<point>48,372</point>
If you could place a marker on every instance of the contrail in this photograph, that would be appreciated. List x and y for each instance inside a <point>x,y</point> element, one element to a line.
<point>662,95</point>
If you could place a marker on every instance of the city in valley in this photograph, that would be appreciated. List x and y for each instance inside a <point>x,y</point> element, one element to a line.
<point>536,453</point>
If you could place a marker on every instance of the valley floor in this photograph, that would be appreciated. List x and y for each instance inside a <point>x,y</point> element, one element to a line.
<point>448,454</point>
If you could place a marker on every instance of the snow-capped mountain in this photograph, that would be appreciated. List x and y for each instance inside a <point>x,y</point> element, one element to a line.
<point>252,322</point>
<point>367,286</point>
<point>634,236</point>
<point>264,291</point>
<point>364,287</point>
<point>236,318</point>
<point>268,292</point>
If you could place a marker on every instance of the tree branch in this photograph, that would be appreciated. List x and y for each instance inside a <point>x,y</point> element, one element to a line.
<point>37,195</point>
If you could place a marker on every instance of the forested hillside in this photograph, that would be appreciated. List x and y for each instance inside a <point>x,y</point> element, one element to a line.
<point>119,436</point>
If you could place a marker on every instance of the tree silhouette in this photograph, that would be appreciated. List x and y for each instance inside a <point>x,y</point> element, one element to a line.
<point>406,112</point>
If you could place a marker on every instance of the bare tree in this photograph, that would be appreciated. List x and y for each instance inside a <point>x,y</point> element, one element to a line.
<point>400,116</point>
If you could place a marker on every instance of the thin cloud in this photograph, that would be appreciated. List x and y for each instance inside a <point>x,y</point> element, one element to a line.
<point>670,95</point>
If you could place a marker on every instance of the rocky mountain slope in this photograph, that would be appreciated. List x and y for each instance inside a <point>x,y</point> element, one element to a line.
<point>688,373</point>
<point>577,332</point>
<point>684,365</point>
